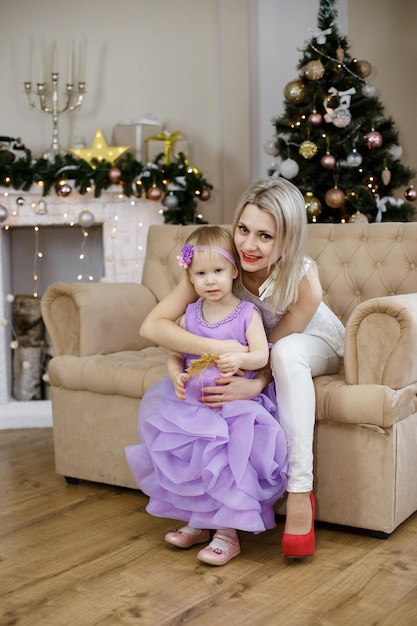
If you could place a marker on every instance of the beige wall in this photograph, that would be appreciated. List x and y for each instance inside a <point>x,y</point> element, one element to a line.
<point>384,32</point>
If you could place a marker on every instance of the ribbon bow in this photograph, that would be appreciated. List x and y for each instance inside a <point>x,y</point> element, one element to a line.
<point>199,366</point>
<point>320,35</point>
<point>169,139</point>
<point>381,204</point>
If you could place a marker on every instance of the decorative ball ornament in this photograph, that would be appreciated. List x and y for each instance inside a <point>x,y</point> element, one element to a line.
<point>334,198</point>
<point>20,201</point>
<point>171,201</point>
<point>354,158</point>
<point>3,213</point>
<point>154,193</point>
<point>358,218</point>
<point>314,70</point>
<point>328,161</point>
<point>373,139</point>
<point>289,168</point>
<point>308,149</point>
<point>294,91</point>
<point>315,118</point>
<point>396,152</point>
<point>86,218</point>
<point>313,206</point>
<point>64,190</point>
<point>410,194</point>
<point>115,174</point>
<point>341,118</point>
<point>205,194</point>
<point>364,68</point>
<point>270,148</point>
<point>368,91</point>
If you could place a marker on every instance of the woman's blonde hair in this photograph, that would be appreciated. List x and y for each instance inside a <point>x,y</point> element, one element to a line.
<point>214,237</point>
<point>285,203</point>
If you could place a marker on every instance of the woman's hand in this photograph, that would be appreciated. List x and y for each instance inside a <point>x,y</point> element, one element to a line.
<point>234,388</point>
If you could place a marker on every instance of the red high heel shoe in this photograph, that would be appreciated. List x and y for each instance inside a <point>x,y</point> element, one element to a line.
<point>300,546</point>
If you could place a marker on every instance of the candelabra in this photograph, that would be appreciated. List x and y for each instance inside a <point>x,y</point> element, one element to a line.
<point>53,106</point>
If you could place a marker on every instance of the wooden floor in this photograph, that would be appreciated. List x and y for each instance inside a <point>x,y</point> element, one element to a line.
<point>87,554</point>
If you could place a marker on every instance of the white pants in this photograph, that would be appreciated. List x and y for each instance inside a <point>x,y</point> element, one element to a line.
<point>295,360</point>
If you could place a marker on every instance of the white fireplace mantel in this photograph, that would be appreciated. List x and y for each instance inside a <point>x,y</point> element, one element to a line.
<point>125,223</point>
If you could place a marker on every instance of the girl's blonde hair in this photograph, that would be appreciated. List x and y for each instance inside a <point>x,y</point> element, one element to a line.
<point>285,203</point>
<point>213,237</point>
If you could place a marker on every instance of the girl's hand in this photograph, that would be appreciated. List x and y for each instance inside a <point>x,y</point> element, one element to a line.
<point>229,363</point>
<point>179,385</point>
<point>231,388</point>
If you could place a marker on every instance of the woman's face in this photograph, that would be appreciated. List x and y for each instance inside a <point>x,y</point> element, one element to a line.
<point>255,239</point>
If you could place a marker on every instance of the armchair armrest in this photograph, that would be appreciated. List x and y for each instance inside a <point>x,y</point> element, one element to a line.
<point>96,318</point>
<point>381,342</point>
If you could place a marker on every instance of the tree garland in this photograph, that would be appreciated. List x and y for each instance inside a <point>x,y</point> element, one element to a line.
<point>176,184</point>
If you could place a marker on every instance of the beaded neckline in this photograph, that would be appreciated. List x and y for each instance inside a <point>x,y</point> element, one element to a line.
<point>228,318</point>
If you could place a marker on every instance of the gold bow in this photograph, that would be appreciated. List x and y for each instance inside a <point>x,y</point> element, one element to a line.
<point>199,366</point>
<point>169,139</point>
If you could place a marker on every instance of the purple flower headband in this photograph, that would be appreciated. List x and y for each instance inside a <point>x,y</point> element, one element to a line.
<point>187,252</point>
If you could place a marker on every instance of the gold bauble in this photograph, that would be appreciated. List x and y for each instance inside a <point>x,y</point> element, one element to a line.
<point>358,218</point>
<point>294,91</point>
<point>364,68</point>
<point>314,70</point>
<point>334,198</point>
<point>313,206</point>
<point>308,149</point>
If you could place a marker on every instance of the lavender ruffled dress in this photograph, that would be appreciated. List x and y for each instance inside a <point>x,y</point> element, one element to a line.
<point>211,469</point>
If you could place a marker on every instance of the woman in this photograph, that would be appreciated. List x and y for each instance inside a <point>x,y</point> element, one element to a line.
<point>269,231</point>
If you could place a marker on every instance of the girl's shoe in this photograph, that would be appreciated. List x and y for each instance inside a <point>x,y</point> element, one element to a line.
<point>217,556</point>
<point>300,546</point>
<point>181,539</point>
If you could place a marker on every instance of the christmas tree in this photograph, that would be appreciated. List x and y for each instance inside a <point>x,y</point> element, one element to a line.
<point>333,140</point>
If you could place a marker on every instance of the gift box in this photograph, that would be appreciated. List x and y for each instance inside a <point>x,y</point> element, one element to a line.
<point>133,133</point>
<point>156,146</point>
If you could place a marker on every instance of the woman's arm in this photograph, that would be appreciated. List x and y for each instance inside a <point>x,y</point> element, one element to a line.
<point>161,328</point>
<point>299,314</point>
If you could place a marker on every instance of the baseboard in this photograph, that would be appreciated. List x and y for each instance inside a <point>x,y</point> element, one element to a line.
<point>36,414</point>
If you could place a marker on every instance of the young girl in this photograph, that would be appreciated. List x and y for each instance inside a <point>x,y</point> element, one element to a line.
<point>216,468</point>
<point>269,232</point>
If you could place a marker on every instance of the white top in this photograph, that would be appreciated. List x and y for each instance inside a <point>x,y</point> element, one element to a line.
<point>324,323</point>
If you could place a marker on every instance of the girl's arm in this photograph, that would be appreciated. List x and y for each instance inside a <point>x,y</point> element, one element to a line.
<point>175,365</point>
<point>258,354</point>
<point>299,314</point>
<point>160,327</point>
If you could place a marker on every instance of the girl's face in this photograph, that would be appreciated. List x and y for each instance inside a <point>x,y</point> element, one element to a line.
<point>255,239</point>
<point>212,275</point>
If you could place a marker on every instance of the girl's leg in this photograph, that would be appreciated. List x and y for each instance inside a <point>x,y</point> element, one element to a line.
<point>295,360</point>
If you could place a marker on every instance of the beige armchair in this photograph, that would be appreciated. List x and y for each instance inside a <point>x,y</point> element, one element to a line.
<point>366,420</point>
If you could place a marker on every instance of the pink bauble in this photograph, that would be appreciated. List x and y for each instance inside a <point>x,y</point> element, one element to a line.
<point>315,119</point>
<point>373,139</point>
<point>115,174</point>
<point>205,194</point>
<point>328,161</point>
<point>410,194</point>
<point>154,193</point>
<point>334,198</point>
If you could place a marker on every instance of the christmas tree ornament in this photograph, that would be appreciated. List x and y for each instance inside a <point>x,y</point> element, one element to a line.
<point>396,152</point>
<point>171,201</point>
<point>20,201</point>
<point>328,161</point>
<point>86,218</point>
<point>205,194</point>
<point>314,70</point>
<point>368,90</point>
<point>354,158</point>
<point>64,190</point>
<point>358,218</point>
<point>154,193</point>
<point>115,174</point>
<point>410,194</point>
<point>289,169</point>
<point>308,149</point>
<point>3,213</point>
<point>270,148</point>
<point>334,198</point>
<point>364,68</point>
<point>386,176</point>
<point>294,91</point>
<point>373,139</point>
<point>41,208</point>
<point>340,54</point>
<point>99,150</point>
<point>313,206</point>
<point>315,118</point>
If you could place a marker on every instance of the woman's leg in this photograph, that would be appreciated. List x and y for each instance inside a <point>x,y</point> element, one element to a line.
<point>295,360</point>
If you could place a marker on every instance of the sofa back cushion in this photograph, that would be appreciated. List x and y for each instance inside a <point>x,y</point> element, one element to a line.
<point>356,262</point>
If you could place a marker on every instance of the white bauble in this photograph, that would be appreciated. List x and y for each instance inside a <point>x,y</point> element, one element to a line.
<point>289,168</point>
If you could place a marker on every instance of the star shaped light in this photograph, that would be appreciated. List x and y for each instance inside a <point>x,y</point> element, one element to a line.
<point>99,150</point>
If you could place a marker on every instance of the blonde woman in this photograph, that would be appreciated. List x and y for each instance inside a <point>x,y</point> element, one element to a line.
<point>269,232</point>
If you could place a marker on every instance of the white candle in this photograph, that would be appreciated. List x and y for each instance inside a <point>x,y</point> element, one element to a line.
<point>42,61</point>
<point>55,59</point>
<point>29,61</point>
<point>83,45</point>
<point>70,68</point>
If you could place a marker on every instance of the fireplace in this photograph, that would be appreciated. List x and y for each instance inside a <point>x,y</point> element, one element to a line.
<point>42,241</point>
